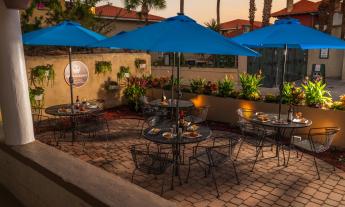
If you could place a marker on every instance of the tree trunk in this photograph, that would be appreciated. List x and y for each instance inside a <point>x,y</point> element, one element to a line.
<point>343,20</point>
<point>266,13</point>
<point>252,10</point>
<point>218,12</point>
<point>330,16</point>
<point>182,6</point>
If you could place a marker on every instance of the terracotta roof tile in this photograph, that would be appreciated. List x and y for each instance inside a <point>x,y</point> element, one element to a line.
<point>301,7</point>
<point>113,11</point>
<point>238,23</point>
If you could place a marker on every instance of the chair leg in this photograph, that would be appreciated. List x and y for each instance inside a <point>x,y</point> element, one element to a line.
<point>300,159</point>
<point>256,158</point>
<point>317,169</point>
<point>163,183</point>
<point>133,173</point>
<point>214,181</point>
<point>239,149</point>
<point>189,164</point>
<point>234,166</point>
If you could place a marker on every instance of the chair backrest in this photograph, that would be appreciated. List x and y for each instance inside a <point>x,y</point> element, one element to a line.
<point>328,133</point>
<point>223,149</point>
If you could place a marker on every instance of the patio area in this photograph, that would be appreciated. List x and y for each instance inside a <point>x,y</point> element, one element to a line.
<point>267,185</point>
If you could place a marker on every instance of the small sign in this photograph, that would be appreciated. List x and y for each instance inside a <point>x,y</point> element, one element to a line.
<point>317,68</point>
<point>80,73</point>
<point>324,53</point>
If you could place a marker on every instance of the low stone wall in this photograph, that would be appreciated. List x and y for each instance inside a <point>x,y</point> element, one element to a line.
<point>224,110</point>
<point>59,93</point>
<point>39,176</point>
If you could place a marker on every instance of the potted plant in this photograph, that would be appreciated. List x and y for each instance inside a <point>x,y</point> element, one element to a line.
<point>111,86</point>
<point>140,63</point>
<point>250,84</point>
<point>36,95</point>
<point>42,73</point>
<point>197,85</point>
<point>103,67</point>
<point>225,87</point>
<point>134,91</point>
<point>315,93</point>
<point>123,73</point>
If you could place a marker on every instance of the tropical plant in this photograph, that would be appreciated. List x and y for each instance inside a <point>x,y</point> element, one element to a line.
<point>210,88</point>
<point>198,85</point>
<point>252,10</point>
<point>250,85</point>
<point>323,14</point>
<point>103,67</point>
<point>315,93</point>
<point>218,12</point>
<point>213,25</point>
<point>124,71</point>
<point>134,91</point>
<point>181,6</point>
<point>266,13</point>
<point>291,94</point>
<point>42,73</point>
<point>225,87</point>
<point>145,7</point>
<point>269,98</point>
<point>33,94</point>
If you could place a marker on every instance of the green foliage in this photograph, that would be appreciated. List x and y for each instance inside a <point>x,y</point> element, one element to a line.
<point>33,92</point>
<point>145,6</point>
<point>123,71</point>
<point>315,93</point>
<point>225,87</point>
<point>198,85</point>
<point>42,73</point>
<point>134,91</point>
<point>138,62</point>
<point>269,98</point>
<point>210,88</point>
<point>103,67</point>
<point>291,94</point>
<point>213,25</point>
<point>250,86</point>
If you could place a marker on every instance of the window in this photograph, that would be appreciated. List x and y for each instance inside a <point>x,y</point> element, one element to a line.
<point>324,53</point>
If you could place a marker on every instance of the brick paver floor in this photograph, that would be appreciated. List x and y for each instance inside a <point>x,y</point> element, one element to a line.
<point>268,185</point>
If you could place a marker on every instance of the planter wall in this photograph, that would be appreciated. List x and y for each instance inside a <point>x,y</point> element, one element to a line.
<point>224,110</point>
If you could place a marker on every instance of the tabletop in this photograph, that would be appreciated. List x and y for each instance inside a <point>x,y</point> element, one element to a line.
<point>204,132</point>
<point>172,104</point>
<point>274,124</point>
<point>65,110</point>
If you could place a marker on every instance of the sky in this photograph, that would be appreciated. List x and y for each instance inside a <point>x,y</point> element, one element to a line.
<point>204,10</point>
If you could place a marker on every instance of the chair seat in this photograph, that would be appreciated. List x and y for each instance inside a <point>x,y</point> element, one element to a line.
<point>217,157</point>
<point>305,144</point>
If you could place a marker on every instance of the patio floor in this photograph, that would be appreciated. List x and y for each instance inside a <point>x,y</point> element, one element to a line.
<point>268,185</point>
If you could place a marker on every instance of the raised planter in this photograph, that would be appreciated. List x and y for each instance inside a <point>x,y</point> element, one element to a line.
<point>224,110</point>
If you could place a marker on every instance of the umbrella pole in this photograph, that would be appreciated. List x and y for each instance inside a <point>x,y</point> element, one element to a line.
<point>178,91</point>
<point>71,91</point>
<point>282,81</point>
<point>172,77</point>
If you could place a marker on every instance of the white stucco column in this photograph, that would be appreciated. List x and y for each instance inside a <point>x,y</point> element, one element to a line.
<point>14,94</point>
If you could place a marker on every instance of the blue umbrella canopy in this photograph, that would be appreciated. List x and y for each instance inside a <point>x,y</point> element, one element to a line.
<point>291,33</point>
<point>176,34</point>
<point>67,33</point>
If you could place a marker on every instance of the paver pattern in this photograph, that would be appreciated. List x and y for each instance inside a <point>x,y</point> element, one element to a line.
<point>267,185</point>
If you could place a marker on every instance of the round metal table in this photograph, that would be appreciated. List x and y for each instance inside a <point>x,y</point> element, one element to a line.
<point>172,104</point>
<point>281,130</point>
<point>175,142</point>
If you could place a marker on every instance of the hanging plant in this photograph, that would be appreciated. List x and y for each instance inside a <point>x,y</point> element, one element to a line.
<point>123,73</point>
<point>36,96</point>
<point>140,64</point>
<point>42,73</point>
<point>103,67</point>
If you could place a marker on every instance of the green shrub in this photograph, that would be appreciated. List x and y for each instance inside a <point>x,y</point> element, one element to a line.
<point>197,85</point>
<point>122,73</point>
<point>292,95</point>
<point>225,87</point>
<point>103,67</point>
<point>269,98</point>
<point>315,93</point>
<point>250,86</point>
<point>134,91</point>
<point>42,73</point>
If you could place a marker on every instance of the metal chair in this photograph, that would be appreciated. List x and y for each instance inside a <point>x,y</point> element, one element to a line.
<point>152,163</point>
<point>199,115</point>
<point>211,157</point>
<point>318,140</point>
<point>252,134</point>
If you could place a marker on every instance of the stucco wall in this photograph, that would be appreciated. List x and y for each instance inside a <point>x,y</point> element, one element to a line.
<point>93,89</point>
<point>211,74</point>
<point>334,64</point>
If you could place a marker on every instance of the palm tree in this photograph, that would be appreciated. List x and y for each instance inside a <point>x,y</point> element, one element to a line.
<point>266,13</point>
<point>218,12</point>
<point>252,10</point>
<point>343,20</point>
<point>213,25</point>
<point>181,6</point>
<point>145,6</point>
<point>331,11</point>
<point>323,14</point>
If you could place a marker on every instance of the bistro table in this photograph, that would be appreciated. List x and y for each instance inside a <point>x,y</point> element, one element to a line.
<point>172,104</point>
<point>65,110</point>
<point>176,141</point>
<point>281,128</point>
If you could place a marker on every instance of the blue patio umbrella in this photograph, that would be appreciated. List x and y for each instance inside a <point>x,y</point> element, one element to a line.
<point>289,33</point>
<point>67,33</point>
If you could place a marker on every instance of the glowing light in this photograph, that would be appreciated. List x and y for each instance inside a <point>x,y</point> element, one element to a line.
<point>198,101</point>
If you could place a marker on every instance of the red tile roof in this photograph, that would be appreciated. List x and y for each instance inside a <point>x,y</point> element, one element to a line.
<point>301,7</point>
<point>122,13</point>
<point>238,23</point>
